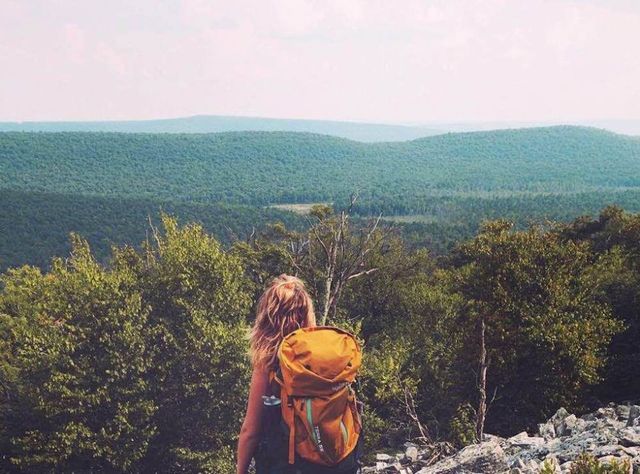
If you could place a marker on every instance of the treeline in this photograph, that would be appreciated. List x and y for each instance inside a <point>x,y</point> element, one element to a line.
<point>36,226</point>
<point>262,168</point>
<point>140,365</point>
<point>365,132</point>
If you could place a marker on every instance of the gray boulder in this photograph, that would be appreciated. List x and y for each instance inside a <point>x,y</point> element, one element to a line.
<point>634,416</point>
<point>484,457</point>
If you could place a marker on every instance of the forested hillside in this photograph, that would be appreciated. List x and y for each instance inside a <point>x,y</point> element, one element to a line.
<point>365,132</point>
<point>36,226</point>
<point>439,187</point>
<point>263,168</point>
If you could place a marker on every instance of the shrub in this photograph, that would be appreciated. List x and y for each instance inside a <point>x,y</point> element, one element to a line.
<point>587,464</point>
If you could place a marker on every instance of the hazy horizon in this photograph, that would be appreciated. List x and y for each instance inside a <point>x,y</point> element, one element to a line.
<point>455,61</point>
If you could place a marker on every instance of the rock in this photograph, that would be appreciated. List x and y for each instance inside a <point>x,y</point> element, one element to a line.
<point>608,412</point>
<point>630,437</point>
<point>563,422</point>
<point>547,430</point>
<point>568,425</point>
<point>384,457</point>
<point>610,433</point>
<point>622,412</point>
<point>605,451</point>
<point>523,440</point>
<point>566,467</point>
<point>483,457</point>
<point>533,466</point>
<point>412,453</point>
<point>634,416</point>
<point>557,420</point>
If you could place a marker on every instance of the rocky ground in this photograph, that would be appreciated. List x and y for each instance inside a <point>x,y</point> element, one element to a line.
<point>611,433</point>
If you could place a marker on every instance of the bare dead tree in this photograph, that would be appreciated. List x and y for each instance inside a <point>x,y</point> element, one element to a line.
<point>410,408</point>
<point>343,254</point>
<point>481,412</point>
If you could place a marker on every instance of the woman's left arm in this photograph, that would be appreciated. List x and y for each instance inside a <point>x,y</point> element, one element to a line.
<point>251,427</point>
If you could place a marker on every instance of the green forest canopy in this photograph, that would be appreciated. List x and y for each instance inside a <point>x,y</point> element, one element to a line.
<point>440,187</point>
<point>261,168</point>
<point>140,365</point>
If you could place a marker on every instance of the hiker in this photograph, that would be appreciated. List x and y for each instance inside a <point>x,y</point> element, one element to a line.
<point>302,417</point>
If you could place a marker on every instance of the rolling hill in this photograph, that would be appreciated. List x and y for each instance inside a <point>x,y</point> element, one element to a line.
<point>261,168</point>
<point>364,132</point>
<point>440,187</point>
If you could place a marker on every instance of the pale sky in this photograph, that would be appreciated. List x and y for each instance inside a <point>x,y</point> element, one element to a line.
<point>382,61</point>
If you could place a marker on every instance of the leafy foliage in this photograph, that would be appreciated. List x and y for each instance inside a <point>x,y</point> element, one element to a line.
<point>139,364</point>
<point>128,367</point>
<point>35,226</point>
<point>261,168</point>
<point>548,324</point>
<point>587,464</point>
<point>103,184</point>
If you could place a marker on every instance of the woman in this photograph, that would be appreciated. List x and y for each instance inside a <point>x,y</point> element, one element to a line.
<point>283,307</point>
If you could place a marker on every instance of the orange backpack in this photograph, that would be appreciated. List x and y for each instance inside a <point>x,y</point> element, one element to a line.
<point>317,367</point>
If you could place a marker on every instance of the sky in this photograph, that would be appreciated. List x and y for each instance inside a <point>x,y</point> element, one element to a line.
<point>403,61</point>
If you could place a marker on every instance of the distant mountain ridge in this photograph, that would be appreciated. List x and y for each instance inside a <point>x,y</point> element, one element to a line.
<point>358,131</point>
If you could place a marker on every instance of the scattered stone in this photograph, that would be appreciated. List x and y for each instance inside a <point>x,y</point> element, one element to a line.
<point>483,457</point>
<point>610,433</point>
<point>547,430</point>
<point>383,457</point>
<point>608,413</point>
<point>568,425</point>
<point>523,440</point>
<point>557,420</point>
<point>412,453</point>
<point>630,437</point>
<point>622,411</point>
<point>634,416</point>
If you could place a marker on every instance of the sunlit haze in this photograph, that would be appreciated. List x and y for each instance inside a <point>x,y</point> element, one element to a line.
<point>409,61</point>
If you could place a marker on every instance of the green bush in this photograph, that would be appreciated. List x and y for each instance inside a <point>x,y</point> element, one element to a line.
<point>587,464</point>
<point>139,366</point>
<point>462,427</point>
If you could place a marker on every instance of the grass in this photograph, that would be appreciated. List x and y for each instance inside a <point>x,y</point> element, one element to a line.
<point>299,208</point>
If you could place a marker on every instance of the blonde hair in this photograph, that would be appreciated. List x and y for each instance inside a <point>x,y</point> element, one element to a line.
<point>284,307</point>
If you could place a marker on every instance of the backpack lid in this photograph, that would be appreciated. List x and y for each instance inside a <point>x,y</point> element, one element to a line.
<point>318,360</point>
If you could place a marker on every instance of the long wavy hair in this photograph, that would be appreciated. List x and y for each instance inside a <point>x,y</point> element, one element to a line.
<point>284,307</point>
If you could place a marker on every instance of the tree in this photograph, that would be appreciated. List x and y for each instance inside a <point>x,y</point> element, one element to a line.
<point>333,252</point>
<point>615,234</point>
<point>537,305</point>
<point>138,366</point>
<point>79,398</point>
<point>199,300</point>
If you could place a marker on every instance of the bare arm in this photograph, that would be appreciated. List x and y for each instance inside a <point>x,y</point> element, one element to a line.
<point>251,427</point>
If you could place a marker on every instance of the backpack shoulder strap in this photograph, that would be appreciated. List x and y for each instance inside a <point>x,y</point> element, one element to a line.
<point>275,383</point>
